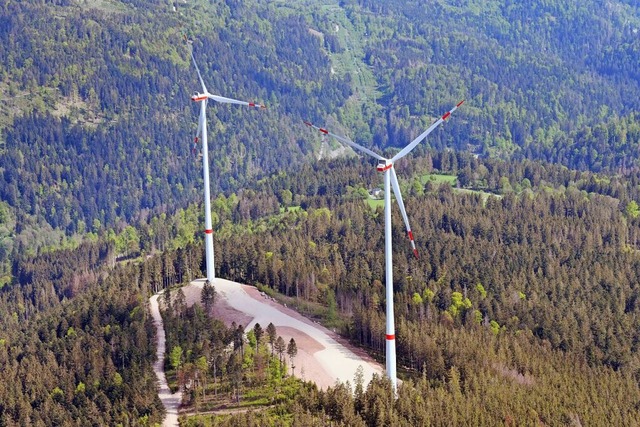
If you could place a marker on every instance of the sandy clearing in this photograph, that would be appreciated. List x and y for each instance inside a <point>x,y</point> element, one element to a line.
<point>323,357</point>
<point>170,401</point>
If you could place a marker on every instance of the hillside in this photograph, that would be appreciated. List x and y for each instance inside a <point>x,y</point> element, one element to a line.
<point>518,301</point>
<point>96,122</point>
<point>534,74</point>
<point>524,206</point>
<point>97,126</point>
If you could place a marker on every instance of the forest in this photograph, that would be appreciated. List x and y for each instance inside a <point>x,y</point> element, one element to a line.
<point>80,155</point>
<point>526,291</point>
<point>523,305</point>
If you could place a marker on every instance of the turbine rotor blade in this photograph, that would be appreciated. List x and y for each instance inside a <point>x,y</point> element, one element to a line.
<point>406,150</point>
<point>396,191</point>
<point>201,119</point>
<point>224,100</point>
<point>347,141</point>
<point>217,98</point>
<point>204,88</point>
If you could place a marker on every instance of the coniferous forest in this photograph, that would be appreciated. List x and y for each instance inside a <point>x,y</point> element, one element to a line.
<point>522,308</point>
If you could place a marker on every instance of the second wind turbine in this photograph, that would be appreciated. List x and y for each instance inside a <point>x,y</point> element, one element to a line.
<point>202,98</point>
<point>391,180</point>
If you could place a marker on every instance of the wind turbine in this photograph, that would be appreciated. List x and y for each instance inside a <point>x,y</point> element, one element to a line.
<point>391,180</point>
<point>202,98</point>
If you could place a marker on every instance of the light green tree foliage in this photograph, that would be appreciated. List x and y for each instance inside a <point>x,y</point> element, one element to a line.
<point>117,379</point>
<point>201,364</point>
<point>321,212</point>
<point>632,210</point>
<point>477,316</point>
<point>186,226</point>
<point>175,358</point>
<point>495,327</point>
<point>428,295</point>
<point>4,215</point>
<point>504,185</point>
<point>417,299</point>
<point>128,242</point>
<point>417,187</point>
<point>358,192</point>
<point>80,388</point>
<point>251,338</point>
<point>458,303</point>
<point>481,290</point>
<point>286,197</point>
<point>57,394</point>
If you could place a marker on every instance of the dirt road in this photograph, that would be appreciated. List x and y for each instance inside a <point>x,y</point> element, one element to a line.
<point>170,401</point>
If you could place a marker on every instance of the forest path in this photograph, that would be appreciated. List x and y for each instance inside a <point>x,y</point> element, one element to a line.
<point>170,401</point>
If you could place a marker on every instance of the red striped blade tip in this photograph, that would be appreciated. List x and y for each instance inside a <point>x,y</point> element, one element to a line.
<point>460,103</point>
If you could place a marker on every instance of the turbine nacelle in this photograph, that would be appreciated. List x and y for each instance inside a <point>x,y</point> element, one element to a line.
<point>197,97</point>
<point>384,166</point>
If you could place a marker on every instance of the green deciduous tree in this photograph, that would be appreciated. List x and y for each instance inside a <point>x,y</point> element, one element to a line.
<point>175,357</point>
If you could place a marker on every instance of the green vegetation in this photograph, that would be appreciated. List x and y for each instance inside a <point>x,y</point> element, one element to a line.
<point>375,203</point>
<point>290,209</point>
<point>221,368</point>
<point>460,232</point>
<point>439,179</point>
<point>77,345</point>
<point>483,338</point>
<point>523,306</point>
<point>104,135</point>
<point>113,144</point>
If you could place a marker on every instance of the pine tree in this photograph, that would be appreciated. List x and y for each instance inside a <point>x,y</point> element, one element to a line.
<point>272,334</point>
<point>292,351</point>
<point>208,296</point>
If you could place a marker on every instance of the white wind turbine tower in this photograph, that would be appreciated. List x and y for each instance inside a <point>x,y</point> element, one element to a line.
<point>202,98</point>
<point>391,180</point>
